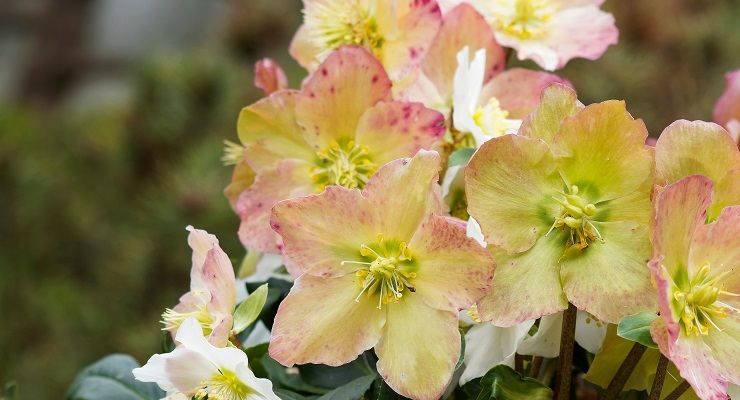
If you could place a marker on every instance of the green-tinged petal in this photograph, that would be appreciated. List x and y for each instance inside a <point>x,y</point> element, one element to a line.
<point>696,363</point>
<point>303,49</point>
<point>510,182</point>
<point>694,148</point>
<point>454,270</point>
<point>526,285</point>
<point>241,178</point>
<point>321,231</point>
<point>419,349</point>
<point>725,346</point>
<point>402,193</point>
<point>519,90</point>
<point>557,103</point>
<point>336,95</point>
<point>635,207</point>
<point>726,193</point>
<point>269,132</point>
<point>602,150</point>
<point>461,26</point>
<point>611,279</point>
<point>284,180</point>
<point>320,322</point>
<point>393,130</point>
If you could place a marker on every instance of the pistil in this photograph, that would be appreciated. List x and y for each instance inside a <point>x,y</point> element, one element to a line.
<point>348,166</point>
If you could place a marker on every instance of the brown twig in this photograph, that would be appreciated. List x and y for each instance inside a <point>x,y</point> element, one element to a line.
<point>678,391</point>
<point>567,336</point>
<point>534,371</point>
<point>659,378</point>
<point>519,363</point>
<point>624,371</point>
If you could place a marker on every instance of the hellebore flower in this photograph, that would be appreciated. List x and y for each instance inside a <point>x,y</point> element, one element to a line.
<point>212,296</point>
<point>550,33</point>
<point>565,207</point>
<point>688,148</point>
<point>380,268</point>
<point>727,109</point>
<point>397,32</point>
<point>337,130</point>
<point>269,77</point>
<point>695,267</point>
<point>197,369</point>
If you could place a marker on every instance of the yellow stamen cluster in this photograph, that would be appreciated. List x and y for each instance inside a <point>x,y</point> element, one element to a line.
<point>349,166</point>
<point>173,319</point>
<point>390,273</point>
<point>698,305</point>
<point>333,23</point>
<point>233,153</point>
<point>224,385</point>
<point>576,217</point>
<point>493,120</point>
<point>527,19</point>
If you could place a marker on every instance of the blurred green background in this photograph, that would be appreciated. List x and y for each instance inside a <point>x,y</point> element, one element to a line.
<point>112,117</point>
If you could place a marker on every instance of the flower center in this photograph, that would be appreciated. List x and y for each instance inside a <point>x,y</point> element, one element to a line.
<point>173,319</point>
<point>493,120</point>
<point>527,19</point>
<point>388,272</point>
<point>575,217</point>
<point>224,385</point>
<point>347,166</point>
<point>698,305</point>
<point>334,23</point>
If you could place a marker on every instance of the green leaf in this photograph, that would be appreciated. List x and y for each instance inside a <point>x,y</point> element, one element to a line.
<point>285,394</point>
<point>385,392</point>
<point>282,379</point>
<point>503,383</point>
<point>249,309</point>
<point>334,377</point>
<point>254,355</point>
<point>10,391</point>
<point>353,390</point>
<point>461,156</point>
<point>111,379</point>
<point>636,328</point>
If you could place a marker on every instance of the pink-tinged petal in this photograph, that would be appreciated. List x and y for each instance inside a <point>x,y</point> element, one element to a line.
<point>419,348</point>
<point>269,77</point>
<point>403,192</point>
<point>393,130</point>
<point>218,277</point>
<point>285,180</point>
<point>201,242</point>
<point>303,49</point>
<point>409,39</point>
<point>241,178</point>
<point>725,346</point>
<point>728,105</point>
<point>454,270</point>
<point>518,90</point>
<point>320,322</point>
<point>321,231</point>
<point>336,95</point>
<point>610,279</point>
<point>692,148</point>
<point>602,150</point>
<point>510,182</point>
<point>726,193</point>
<point>695,361</point>
<point>269,132</point>
<point>556,104</point>
<point>584,32</point>
<point>526,285</point>
<point>718,244</point>
<point>463,26</point>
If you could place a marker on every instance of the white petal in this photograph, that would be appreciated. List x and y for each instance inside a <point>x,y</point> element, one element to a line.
<point>467,87</point>
<point>190,335</point>
<point>487,345</point>
<point>260,334</point>
<point>449,177</point>
<point>154,371</point>
<point>473,231</point>
<point>266,267</point>
<point>262,386</point>
<point>590,332</point>
<point>546,341</point>
<point>187,370</point>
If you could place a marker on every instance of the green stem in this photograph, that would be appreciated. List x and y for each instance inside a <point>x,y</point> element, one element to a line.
<point>624,372</point>
<point>567,337</point>
<point>659,378</point>
<point>678,391</point>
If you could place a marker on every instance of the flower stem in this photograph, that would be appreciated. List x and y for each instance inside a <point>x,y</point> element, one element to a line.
<point>678,391</point>
<point>624,371</point>
<point>519,363</point>
<point>534,371</point>
<point>567,337</point>
<point>659,378</point>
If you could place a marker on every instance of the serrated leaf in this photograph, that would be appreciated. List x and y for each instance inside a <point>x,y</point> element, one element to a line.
<point>503,383</point>
<point>249,309</point>
<point>636,327</point>
<point>111,379</point>
<point>461,156</point>
<point>354,390</point>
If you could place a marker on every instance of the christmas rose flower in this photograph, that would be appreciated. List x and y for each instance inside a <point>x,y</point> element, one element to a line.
<point>212,296</point>
<point>380,268</point>
<point>727,109</point>
<point>337,130</point>
<point>695,267</point>
<point>565,207</point>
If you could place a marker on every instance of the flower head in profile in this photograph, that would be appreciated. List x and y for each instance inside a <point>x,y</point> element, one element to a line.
<point>197,369</point>
<point>565,208</point>
<point>380,268</point>
<point>337,130</point>
<point>397,32</point>
<point>550,32</point>
<point>212,296</point>
<point>727,109</point>
<point>695,266</point>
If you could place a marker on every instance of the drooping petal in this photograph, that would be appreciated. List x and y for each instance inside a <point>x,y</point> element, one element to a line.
<point>526,285</point>
<point>336,95</point>
<point>557,103</point>
<point>269,77</point>
<point>320,322</point>
<point>393,130</point>
<point>509,183</point>
<point>419,349</point>
<point>319,232</point>
<point>728,105</point>
<point>694,147</point>
<point>590,332</point>
<point>546,341</point>
<point>487,346</point>
<point>610,280</point>
<point>519,90</point>
<point>285,180</point>
<point>602,150</point>
<point>269,132</point>
<point>454,271</point>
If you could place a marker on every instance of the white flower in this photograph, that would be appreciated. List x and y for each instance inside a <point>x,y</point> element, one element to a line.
<point>196,368</point>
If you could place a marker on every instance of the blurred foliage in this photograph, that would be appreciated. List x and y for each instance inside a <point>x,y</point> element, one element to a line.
<point>94,202</point>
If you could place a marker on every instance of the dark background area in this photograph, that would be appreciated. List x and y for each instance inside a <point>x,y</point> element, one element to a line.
<point>112,117</point>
